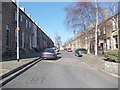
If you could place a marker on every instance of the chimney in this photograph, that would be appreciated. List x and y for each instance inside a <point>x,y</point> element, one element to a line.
<point>91,25</point>
<point>105,14</point>
<point>22,8</point>
<point>29,15</point>
<point>14,1</point>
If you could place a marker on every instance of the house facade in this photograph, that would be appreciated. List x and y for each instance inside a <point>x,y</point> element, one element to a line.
<point>0,31</point>
<point>30,34</point>
<point>107,36</point>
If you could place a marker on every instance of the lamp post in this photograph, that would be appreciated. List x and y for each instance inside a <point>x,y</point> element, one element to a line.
<point>18,30</point>
<point>96,28</point>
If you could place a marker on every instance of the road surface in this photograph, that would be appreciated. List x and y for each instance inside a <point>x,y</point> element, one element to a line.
<point>67,71</point>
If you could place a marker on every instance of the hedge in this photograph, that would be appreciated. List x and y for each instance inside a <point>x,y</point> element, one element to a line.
<point>113,55</point>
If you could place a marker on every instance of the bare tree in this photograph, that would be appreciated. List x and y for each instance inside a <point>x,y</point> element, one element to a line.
<point>58,41</point>
<point>79,16</point>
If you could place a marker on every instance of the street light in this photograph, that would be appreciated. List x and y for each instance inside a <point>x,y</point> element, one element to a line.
<point>18,28</point>
<point>96,27</point>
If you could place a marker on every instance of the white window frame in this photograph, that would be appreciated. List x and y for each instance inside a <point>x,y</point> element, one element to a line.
<point>115,42</point>
<point>108,44</point>
<point>27,23</point>
<point>99,32</point>
<point>114,24</point>
<point>21,18</point>
<point>104,30</point>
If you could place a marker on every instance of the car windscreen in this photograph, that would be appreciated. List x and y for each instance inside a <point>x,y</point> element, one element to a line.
<point>81,49</point>
<point>48,50</point>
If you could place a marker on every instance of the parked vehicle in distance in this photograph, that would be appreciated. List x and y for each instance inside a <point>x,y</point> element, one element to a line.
<point>57,51</point>
<point>80,51</point>
<point>65,48</point>
<point>49,53</point>
<point>69,50</point>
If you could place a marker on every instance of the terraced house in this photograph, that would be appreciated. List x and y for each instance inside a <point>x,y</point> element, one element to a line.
<point>108,37</point>
<point>0,31</point>
<point>31,35</point>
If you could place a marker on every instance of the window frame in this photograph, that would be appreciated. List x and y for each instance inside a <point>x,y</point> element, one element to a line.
<point>7,35</point>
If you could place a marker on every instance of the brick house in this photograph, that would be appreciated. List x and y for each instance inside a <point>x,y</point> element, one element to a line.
<point>108,37</point>
<point>30,35</point>
<point>108,34</point>
<point>0,31</point>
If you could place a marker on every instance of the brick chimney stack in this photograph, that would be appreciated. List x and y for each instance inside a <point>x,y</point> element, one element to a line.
<point>105,14</point>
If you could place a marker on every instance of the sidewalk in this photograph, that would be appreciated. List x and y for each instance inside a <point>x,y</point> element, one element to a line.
<point>98,62</point>
<point>9,64</point>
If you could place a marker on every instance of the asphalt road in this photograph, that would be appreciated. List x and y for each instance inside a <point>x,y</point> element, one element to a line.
<point>66,72</point>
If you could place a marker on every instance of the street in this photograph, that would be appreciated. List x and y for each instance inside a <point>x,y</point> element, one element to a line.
<point>68,71</point>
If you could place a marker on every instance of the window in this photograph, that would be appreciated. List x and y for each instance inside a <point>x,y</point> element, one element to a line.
<point>27,24</point>
<point>108,44</point>
<point>98,32</point>
<point>21,18</point>
<point>104,31</point>
<point>116,42</point>
<point>114,25</point>
<point>27,38</point>
<point>7,35</point>
<point>22,39</point>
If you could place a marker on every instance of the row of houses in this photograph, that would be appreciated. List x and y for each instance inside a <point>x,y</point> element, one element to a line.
<point>31,35</point>
<point>0,32</point>
<point>107,36</point>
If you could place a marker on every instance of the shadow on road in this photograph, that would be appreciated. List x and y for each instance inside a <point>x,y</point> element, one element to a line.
<point>23,56</point>
<point>58,58</point>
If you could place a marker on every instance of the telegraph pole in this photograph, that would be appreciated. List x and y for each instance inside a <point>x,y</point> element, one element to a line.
<point>96,28</point>
<point>18,28</point>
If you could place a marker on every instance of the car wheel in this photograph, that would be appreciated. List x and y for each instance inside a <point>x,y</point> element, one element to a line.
<point>55,58</point>
<point>77,55</point>
<point>42,58</point>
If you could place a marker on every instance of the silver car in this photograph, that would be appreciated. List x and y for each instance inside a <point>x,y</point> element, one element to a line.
<point>49,53</point>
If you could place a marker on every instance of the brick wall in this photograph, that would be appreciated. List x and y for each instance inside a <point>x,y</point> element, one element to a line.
<point>40,40</point>
<point>0,31</point>
<point>8,19</point>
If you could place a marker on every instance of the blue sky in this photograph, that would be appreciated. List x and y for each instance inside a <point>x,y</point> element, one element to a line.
<point>50,16</point>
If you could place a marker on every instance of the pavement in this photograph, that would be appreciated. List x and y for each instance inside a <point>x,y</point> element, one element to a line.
<point>68,71</point>
<point>97,62</point>
<point>8,65</point>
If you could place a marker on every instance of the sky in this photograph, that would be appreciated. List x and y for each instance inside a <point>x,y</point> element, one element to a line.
<point>50,16</point>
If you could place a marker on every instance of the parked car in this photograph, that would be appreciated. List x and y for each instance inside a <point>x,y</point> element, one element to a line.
<point>65,48</point>
<point>49,53</point>
<point>69,50</point>
<point>57,51</point>
<point>80,51</point>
